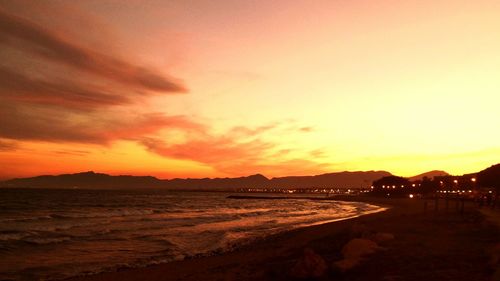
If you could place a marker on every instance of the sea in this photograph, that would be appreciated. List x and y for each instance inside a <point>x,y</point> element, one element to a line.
<point>55,234</point>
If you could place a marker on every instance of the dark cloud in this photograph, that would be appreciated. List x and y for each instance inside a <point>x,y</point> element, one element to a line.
<point>20,88</point>
<point>71,152</point>
<point>45,124</point>
<point>52,89</point>
<point>22,33</point>
<point>21,123</point>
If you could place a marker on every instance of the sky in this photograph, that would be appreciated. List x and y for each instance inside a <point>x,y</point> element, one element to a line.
<point>226,88</point>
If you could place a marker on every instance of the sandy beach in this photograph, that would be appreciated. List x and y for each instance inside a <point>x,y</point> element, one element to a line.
<point>427,245</point>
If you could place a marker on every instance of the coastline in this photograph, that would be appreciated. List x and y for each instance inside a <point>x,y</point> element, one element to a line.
<point>428,245</point>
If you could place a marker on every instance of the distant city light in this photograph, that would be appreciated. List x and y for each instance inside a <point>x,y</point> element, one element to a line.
<point>411,195</point>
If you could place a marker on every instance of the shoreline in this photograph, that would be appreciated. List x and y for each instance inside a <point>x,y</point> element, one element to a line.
<point>271,258</point>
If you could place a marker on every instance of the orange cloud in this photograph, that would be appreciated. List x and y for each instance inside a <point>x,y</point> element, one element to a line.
<point>54,90</point>
<point>7,145</point>
<point>42,124</point>
<point>230,155</point>
<point>212,150</point>
<point>245,131</point>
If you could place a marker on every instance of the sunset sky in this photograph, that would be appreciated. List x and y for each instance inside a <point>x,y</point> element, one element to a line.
<point>195,88</point>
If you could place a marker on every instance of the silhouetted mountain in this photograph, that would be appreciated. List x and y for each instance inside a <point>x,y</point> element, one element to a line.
<point>91,180</point>
<point>257,180</point>
<point>490,177</point>
<point>331,180</point>
<point>429,175</point>
<point>84,180</point>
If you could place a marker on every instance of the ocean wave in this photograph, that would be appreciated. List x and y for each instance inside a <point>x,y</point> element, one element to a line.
<point>183,226</point>
<point>103,214</point>
<point>13,238</point>
<point>45,240</point>
<point>25,219</point>
<point>73,215</point>
<point>13,235</point>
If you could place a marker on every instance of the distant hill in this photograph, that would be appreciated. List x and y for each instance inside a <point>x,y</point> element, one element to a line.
<point>490,177</point>
<point>86,180</point>
<point>257,180</point>
<point>332,180</point>
<point>429,175</point>
<point>92,180</point>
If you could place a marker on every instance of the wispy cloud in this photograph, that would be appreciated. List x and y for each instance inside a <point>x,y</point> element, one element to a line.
<point>97,103</point>
<point>8,145</point>
<point>23,89</point>
<point>212,150</point>
<point>47,124</point>
<point>71,152</point>
<point>307,129</point>
<point>43,103</point>
<point>232,155</point>
<point>38,40</point>
<point>245,131</point>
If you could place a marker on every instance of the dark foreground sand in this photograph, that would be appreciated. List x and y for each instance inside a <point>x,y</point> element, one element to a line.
<point>428,245</point>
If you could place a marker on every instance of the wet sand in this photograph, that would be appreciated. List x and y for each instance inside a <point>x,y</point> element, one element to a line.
<point>428,245</point>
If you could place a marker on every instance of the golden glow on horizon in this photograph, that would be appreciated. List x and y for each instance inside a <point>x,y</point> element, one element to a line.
<point>120,159</point>
<point>295,88</point>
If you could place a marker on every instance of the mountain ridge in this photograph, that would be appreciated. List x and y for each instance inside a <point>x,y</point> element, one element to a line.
<point>93,180</point>
<point>430,175</point>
